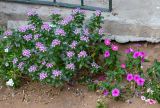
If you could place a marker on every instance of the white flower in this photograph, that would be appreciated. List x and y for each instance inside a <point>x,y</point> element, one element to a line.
<point>149,90</point>
<point>141,67</point>
<point>143,98</point>
<point>5,37</point>
<point>10,82</point>
<point>7,64</point>
<point>6,50</point>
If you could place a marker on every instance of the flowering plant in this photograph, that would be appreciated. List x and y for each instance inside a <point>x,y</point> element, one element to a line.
<point>152,90</point>
<point>54,52</point>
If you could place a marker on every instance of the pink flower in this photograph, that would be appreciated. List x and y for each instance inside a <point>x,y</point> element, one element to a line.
<point>129,50</point>
<point>73,44</point>
<point>26,53</point>
<point>27,37</point>
<point>49,65</point>
<point>136,54</point>
<point>86,31</point>
<point>56,73</point>
<point>105,92</point>
<point>84,38</point>
<point>123,65</point>
<point>115,92</point>
<point>42,76</point>
<point>66,20</point>
<point>70,54</point>
<point>107,42</point>
<point>46,27</point>
<point>98,13</point>
<point>31,12</point>
<point>70,66</point>
<point>101,31</point>
<point>32,68</point>
<point>151,101</point>
<point>36,36</point>
<point>129,77</point>
<point>136,77</point>
<point>140,81</point>
<point>15,60</point>
<point>56,12</point>
<point>8,33</point>
<point>41,47</point>
<point>60,32</point>
<point>43,62</point>
<point>82,54</point>
<point>114,47</point>
<point>55,42</point>
<point>106,54</point>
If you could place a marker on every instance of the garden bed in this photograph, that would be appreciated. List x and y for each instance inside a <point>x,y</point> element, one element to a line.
<point>69,52</point>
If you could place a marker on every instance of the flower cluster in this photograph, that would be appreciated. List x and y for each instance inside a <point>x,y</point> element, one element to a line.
<point>140,81</point>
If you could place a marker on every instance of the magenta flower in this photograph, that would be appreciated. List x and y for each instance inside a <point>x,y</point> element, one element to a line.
<point>70,66</point>
<point>27,37</point>
<point>127,51</point>
<point>115,92</point>
<point>55,42</point>
<point>26,53</point>
<point>32,68</point>
<point>136,54</point>
<point>129,77</point>
<point>140,81</point>
<point>82,54</point>
<point>105,92</point>
<point>142,54</point>
<point>136,77</point>
<point>107,54</point>
<point>114,47</point>
<point>42,76</point>
<point>56,73</point>
<point>107,42</point>
<point>123,66</point>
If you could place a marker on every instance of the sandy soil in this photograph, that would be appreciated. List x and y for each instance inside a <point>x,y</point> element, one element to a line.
<point>35,95</point>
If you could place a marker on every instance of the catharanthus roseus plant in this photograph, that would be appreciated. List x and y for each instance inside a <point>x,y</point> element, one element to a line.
<point>52,52</point>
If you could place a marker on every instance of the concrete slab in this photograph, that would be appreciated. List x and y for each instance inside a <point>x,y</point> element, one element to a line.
<point>134,20</point>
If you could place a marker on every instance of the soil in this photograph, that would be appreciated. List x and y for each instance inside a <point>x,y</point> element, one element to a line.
<point>36,95</point>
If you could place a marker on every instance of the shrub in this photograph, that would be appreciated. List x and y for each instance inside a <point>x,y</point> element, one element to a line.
<point>54,52</point>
